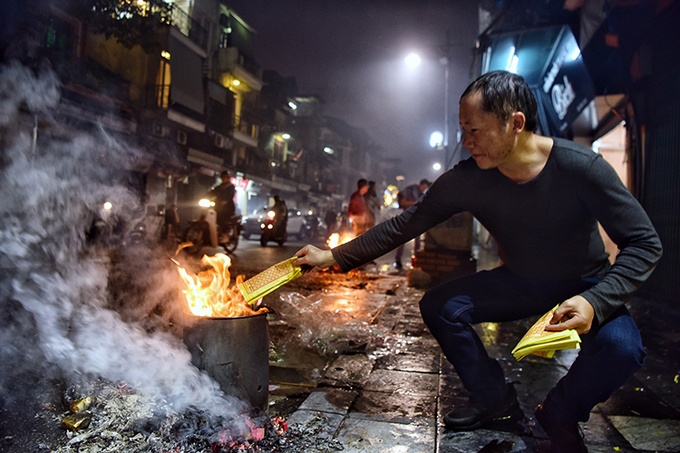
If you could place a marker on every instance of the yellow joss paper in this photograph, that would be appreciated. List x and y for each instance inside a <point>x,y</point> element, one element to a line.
<point>269,280</point>
<point>540,342</point>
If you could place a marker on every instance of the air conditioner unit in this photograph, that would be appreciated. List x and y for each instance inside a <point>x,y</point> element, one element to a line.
<point>181,137</point>
<point>160,130</point>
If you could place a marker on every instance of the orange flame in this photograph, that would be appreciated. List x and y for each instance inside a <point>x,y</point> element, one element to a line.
<point>336,239</point>
<point>208,293</point>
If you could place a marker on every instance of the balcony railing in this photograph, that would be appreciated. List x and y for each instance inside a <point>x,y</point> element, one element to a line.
<point>174,16</point>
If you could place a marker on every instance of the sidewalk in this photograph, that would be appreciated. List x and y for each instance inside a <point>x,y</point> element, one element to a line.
<point>375,380</point>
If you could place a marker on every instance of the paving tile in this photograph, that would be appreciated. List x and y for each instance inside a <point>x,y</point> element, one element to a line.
<point>478,441</point>
<point>425,361</point>
<point>402,382</point>
<point>600,435</point>
<point>351,370</point>
<point>411,326</point>
<point>335,401</point>
<point>532,378</point>
<point>360,435</point>
<point>634,398</point>
<point>649,433</point>
<point>323,425</point>
<point>393,407</point>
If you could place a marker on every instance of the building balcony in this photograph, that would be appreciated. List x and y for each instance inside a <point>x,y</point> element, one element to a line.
<point>231,61</point>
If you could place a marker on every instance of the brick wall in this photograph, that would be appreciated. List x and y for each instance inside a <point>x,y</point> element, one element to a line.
<point>443,264</point>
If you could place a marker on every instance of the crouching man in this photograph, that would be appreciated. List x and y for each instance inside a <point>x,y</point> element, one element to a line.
<point>541,198</point>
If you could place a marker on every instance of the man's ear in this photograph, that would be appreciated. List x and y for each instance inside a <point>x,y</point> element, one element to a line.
<point>518,121</point>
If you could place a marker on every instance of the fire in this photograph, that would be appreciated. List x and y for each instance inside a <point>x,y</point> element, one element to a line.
<point>336,239</point>
<point>208,293</point>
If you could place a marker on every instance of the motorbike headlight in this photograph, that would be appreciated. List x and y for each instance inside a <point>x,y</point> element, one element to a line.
<point>271,214</point>
<point>205,203</point>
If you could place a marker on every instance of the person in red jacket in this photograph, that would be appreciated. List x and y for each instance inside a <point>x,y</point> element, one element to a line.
<point>357,208</point>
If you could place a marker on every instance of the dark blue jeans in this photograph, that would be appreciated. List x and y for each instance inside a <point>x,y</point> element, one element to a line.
<point>610,353</point>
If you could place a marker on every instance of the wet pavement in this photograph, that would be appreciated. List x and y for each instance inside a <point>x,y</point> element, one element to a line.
<point>352,361</point>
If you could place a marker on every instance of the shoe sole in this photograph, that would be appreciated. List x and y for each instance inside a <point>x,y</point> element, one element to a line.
<point>515,416</point>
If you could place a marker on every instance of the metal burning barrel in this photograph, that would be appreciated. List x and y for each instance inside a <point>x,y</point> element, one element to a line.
<point>235,352</point>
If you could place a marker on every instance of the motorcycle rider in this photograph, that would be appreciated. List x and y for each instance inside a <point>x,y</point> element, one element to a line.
<point>223,195</point>
<point>281,211</point>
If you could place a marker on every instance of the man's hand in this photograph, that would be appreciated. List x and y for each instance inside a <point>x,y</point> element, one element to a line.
<point>314,257</point>
<point>574,313</point>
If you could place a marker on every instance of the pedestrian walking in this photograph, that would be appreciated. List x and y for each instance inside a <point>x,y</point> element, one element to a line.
<point>541,198</point>
<point>373,205</point>
<point>331,221</point>
<point>407,198</point>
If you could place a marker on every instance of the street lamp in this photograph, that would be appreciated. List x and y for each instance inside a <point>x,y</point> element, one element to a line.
<point>412,60</point>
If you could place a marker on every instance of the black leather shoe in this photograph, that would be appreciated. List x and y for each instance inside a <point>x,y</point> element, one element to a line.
<point>564,437</point>
<point>478,415</point>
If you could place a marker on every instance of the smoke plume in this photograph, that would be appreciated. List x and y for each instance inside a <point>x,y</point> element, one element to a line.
<point>59,318</point>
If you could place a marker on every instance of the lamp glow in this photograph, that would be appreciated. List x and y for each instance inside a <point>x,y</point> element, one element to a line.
<point>412,60</point>
<point>436,139</point>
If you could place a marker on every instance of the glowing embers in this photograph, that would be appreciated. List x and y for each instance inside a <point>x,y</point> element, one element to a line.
<point>209,292</point>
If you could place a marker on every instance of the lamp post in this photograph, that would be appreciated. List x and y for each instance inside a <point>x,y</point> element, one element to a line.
<point>441,141</point>
<point>445,62</point>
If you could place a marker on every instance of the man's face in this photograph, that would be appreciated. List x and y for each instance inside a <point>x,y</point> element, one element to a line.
<point>489,141</point>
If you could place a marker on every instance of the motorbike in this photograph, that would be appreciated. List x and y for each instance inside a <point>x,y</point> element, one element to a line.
<point>273,229</point>
<point>112,228</point>
<point>225,236</point>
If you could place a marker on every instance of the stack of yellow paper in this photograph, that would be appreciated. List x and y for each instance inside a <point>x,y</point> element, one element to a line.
<point>540,342</point>
<point>269,280</point>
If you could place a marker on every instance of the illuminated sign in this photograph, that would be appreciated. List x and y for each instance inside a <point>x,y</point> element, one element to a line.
<point>566,88</point>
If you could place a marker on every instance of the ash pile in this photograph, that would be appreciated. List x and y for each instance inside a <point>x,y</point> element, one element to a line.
<point>116,420</point>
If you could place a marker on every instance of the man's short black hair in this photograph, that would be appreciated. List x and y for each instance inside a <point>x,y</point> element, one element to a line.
<point>361,183</point>
<point>504,93</point>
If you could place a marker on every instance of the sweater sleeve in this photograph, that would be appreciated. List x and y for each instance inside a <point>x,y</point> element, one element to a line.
<point>627,224</point>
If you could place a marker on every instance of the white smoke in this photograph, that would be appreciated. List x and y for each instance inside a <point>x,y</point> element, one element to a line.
<point>55,300</point>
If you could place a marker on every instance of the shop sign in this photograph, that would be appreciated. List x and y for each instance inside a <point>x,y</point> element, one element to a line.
<point>566,87</point>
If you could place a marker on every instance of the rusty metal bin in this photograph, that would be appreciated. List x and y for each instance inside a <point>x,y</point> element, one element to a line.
<point>235,352</point>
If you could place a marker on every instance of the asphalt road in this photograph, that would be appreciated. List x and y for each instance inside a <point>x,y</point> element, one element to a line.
<point>250,255</point>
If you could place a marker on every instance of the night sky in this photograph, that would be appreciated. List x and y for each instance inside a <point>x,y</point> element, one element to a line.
<point>351,53</point>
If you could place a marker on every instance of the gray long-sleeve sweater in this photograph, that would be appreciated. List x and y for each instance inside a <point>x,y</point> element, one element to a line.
<point>545,228</point>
